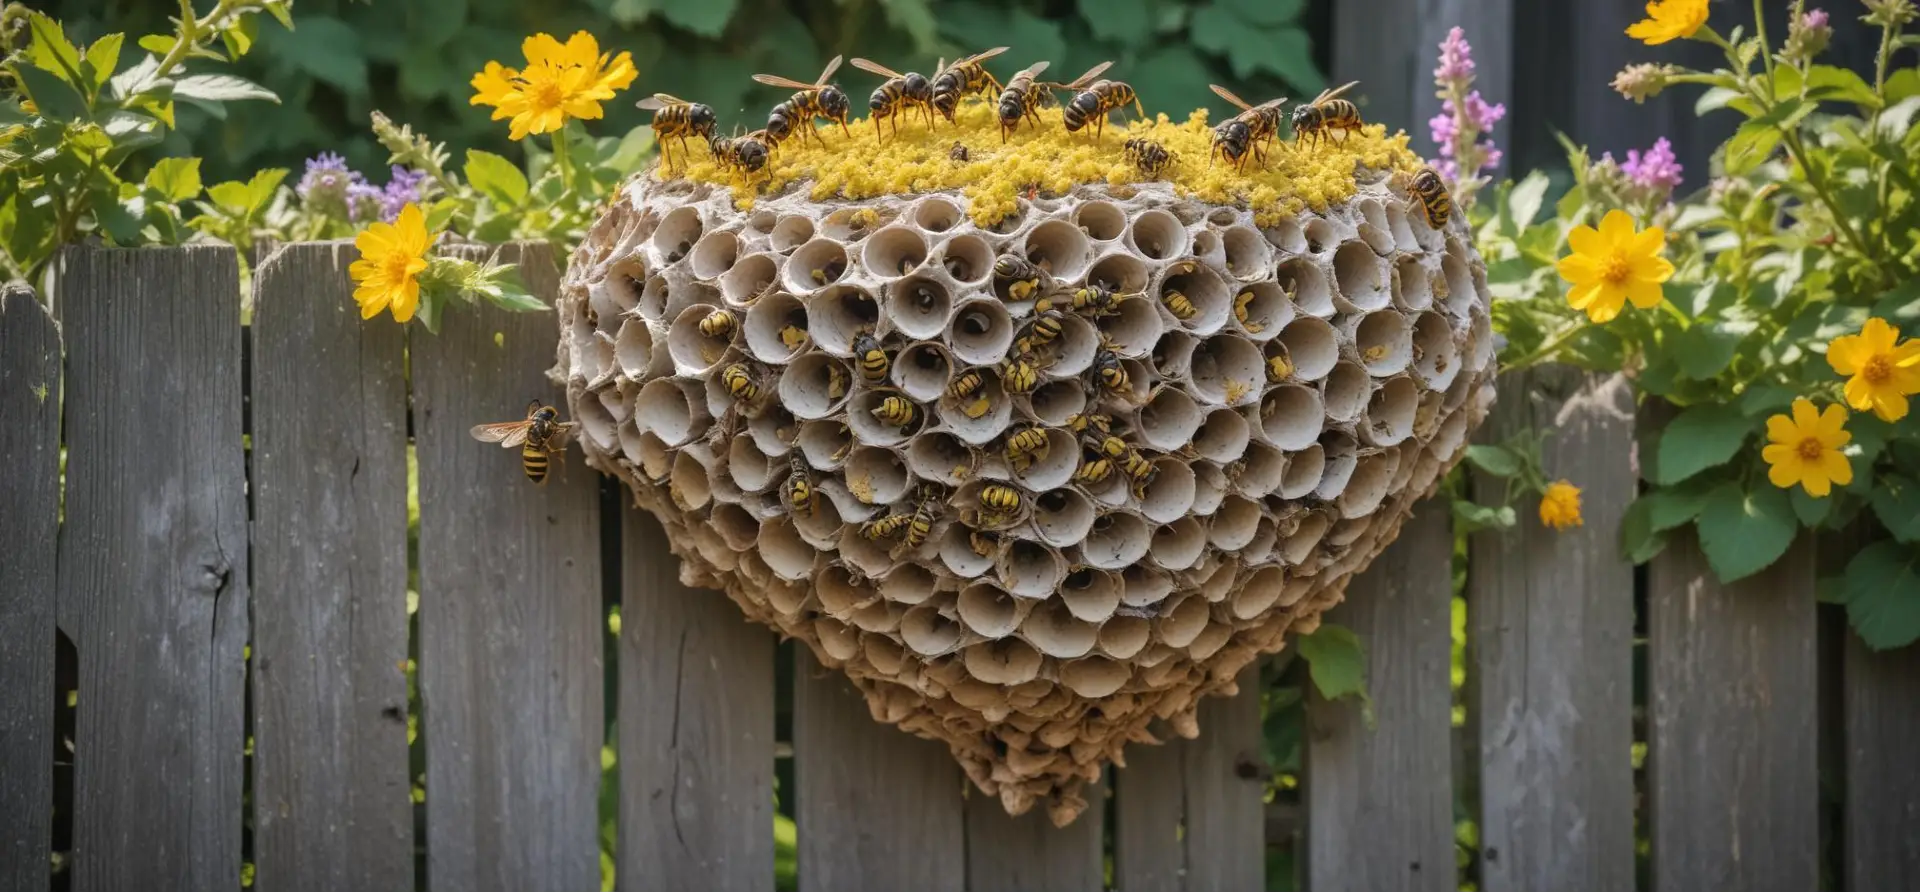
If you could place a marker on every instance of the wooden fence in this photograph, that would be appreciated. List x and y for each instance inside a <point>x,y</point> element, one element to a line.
<point>218,497</point>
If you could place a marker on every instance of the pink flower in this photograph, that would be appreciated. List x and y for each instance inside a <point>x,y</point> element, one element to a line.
<point>1456,58</point>
<point>1813,20</point>
<point>1484,116</point>
<point>1657,170</point>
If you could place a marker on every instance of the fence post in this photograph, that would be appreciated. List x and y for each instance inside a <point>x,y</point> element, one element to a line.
<point>30,457</point>
<point>1028,853</point>
<point>1883,778</point>
<point>1551,648</point>
<point>510,611</point>
<point>331,799</point>
<point>153,562</point>
<point>1390,47</point>
<point>1380,796</point>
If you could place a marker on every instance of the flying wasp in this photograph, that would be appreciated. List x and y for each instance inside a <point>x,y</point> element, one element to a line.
<point>538,436</point>
<point>675,117</point>
<point>1326,114</point>
<point>897,411</point>
<point>1254,128</point>
<point>896,96</point>
<point>965,77</point>
<point>798,490</point>
<point>1020,276</point>
<point>1026,446</point>
<point>1093,100</point>
<point>1022,99</point>
<point>1149,157</point>
<point>816,100</point>
<point>873,361</point>
<point>1436,206</point>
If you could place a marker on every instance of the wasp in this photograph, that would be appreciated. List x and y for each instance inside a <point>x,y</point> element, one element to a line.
<point>1022,99</point>
<point>1254,128</point>
<point>885,527</point>
<point>1139,470</point>
<point>1093,100</point>
<point>816,100</point>
<point>1240,304</point>
<point>1178,304</point>
<point>920,526</point>
<point>1326,114</point>
<point>965,77</point>
<point>1436,206</point>
<point>1279,368</point>
<point>1026,446</point>
<point>740,383</point>
<point>1150,157</point>
<point>538,436</point>
<point>896,411</point>
<point>1107,445</point>
<point>1021,277</point>
<point>1000,500</point>
<point>969,385</point>
<point>1044,330</point>
<point>675,117</point>
<point>958,153</point>
<point>1018,375</point>
<point>896,96</point>
<point>1106,364</point>
<point>873,360</point>
<point>1093,470</point>
<point>747,154</point>
<point>1095,300</point>
<point>798,490</point>
<point>719,324</point>
<point>1082,422</point>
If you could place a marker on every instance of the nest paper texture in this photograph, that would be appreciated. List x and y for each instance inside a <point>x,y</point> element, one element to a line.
<point>1093,614</point>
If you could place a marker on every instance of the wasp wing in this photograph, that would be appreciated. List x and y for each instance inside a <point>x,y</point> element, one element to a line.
<point>1330,94</point>
<point>827,72</point>
<point>773,80</point>
<point>660,100</point>
<point>1087,78</point>
<point>562,433</point>
<point>871,67</point>
<point>975,58</point>
<point>506,434</point>
<point>1227,95</point>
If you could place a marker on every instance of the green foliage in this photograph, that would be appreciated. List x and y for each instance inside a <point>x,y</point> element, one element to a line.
<point>1337,663</point>
<point>412,59</point>
<point>1811,228</point>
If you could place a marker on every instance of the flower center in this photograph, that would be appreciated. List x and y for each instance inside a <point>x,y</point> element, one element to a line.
<point>1877,369</point>
<point>396,267</point>
<point>1616,268</point>
<point>1811,449</point>
<point>547,94</point>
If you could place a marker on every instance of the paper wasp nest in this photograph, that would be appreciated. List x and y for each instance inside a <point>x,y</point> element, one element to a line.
<point>1096,610</point>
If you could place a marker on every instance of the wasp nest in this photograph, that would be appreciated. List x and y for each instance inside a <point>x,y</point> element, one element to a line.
<point>1274,422</point>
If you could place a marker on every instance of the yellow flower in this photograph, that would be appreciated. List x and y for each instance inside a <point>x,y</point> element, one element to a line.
<point>561,81</point>
<point>1560,506</point>
<point>1882,374</point>
<point>1805,449</point>
<point>391,258</point>
<point>1613,265</point>
<point>1669,20</point>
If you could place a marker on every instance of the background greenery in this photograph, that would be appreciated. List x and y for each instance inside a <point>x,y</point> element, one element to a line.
<point>412,58</point>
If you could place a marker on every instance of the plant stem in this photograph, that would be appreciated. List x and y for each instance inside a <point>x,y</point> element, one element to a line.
<point>190,29</point>
<point>1760,31</point>
<point>1799,153</point>
<point>562,160</point>
<point>1546,350</point>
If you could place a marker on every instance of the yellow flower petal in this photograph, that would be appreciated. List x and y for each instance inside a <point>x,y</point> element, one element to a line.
<point>1584,239</point>
<point>1644,293</point>
<point>1835,467</point>
<point>1889,407</point>
<point>1833,425</point>
<point>1579,268</point>
<point>1781,430</point>
<point>1783,472</point>
<point>1616,227</point>
<point>1805,416</point>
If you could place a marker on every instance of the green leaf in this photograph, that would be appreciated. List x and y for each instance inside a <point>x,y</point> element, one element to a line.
<point>1882,593</point>
<point>1765,399</point>
<point>1523,203</point>
<point>239,36</point>
<point>707,18</point>
<point>1494,460</point>
<point>1704,350</point>
<point>120,222</point>
<point>1473,517</point>
<point>50,49</point>
<point>1756,139</point>
<point>1672,507</point>
<point>1898,118</point>
<point>51,93</point>
<point>261,188</point>
<point>1896,502</point>
<point>1700,438</point>
<point>496,177</point>
<point>1125,22</point>
<point>1810,509</point>
<point>326,48</point>
<point>232,196</point>
<point>159,44</point>
<point>220,88</point>
<point>1266,13</point>
<point>178,179</point>
<point>508,295</point>
<point>1336,661</point>
<point>102,58</point>
<point>1744,532</point>
<point>1639,542</point>
<point>1828,82</point>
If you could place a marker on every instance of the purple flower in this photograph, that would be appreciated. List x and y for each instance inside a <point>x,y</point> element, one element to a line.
<point>1808,35</point>
<point>1444,128</point>
<point>1814,19</point>
<point>327,183</point>
<point>1657,170</point>
<point>1456,57</point>
<point>403,189</point>
<point>364,202</point>
<point>1484,116</point>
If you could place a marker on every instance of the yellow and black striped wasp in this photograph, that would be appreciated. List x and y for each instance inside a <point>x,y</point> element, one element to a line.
<point>675,117</point>
<point>1326,114</point>
<point>816,100</point>
<point>965,77</point>
<point>538,436</point>
<point>1093,100</point>
<point>894,98</point>
<point>1254,128</point>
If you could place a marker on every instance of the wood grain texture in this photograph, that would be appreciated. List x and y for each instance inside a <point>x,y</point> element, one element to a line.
<point>1732,751</point>
<point>1028,853</point>
<point>877,809</point>
<point>1149,807</point>
<point>1225,780</point>
<point>1551,649</point>
<point>30,457</point>
<point>331,796</point>
<point>1380,799</point>
<point>510,642</point>
<point>1882,708</point>
<point>153,561</point>
<point>1390,46</point>
<point>696,743</point>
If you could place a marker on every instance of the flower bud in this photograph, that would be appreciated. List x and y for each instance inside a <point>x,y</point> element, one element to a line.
<point>1643,81</point>
<point>1807,36</point>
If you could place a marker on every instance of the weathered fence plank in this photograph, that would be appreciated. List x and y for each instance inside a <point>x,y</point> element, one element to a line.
<point>1552,650</point>
<point>1148,853</point>
<point>1390,47</point>
<point>331,796</point>
<point>1028,852</point>
<point>1733,769</point>
<point>1380,799</point>
<point>154,562</point>
<point>1225,781</point>
<point>696,745</point>
<point>510,670</point>
<point>1882,707</point>
<point>30,458</point>
<point>877,809</point>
